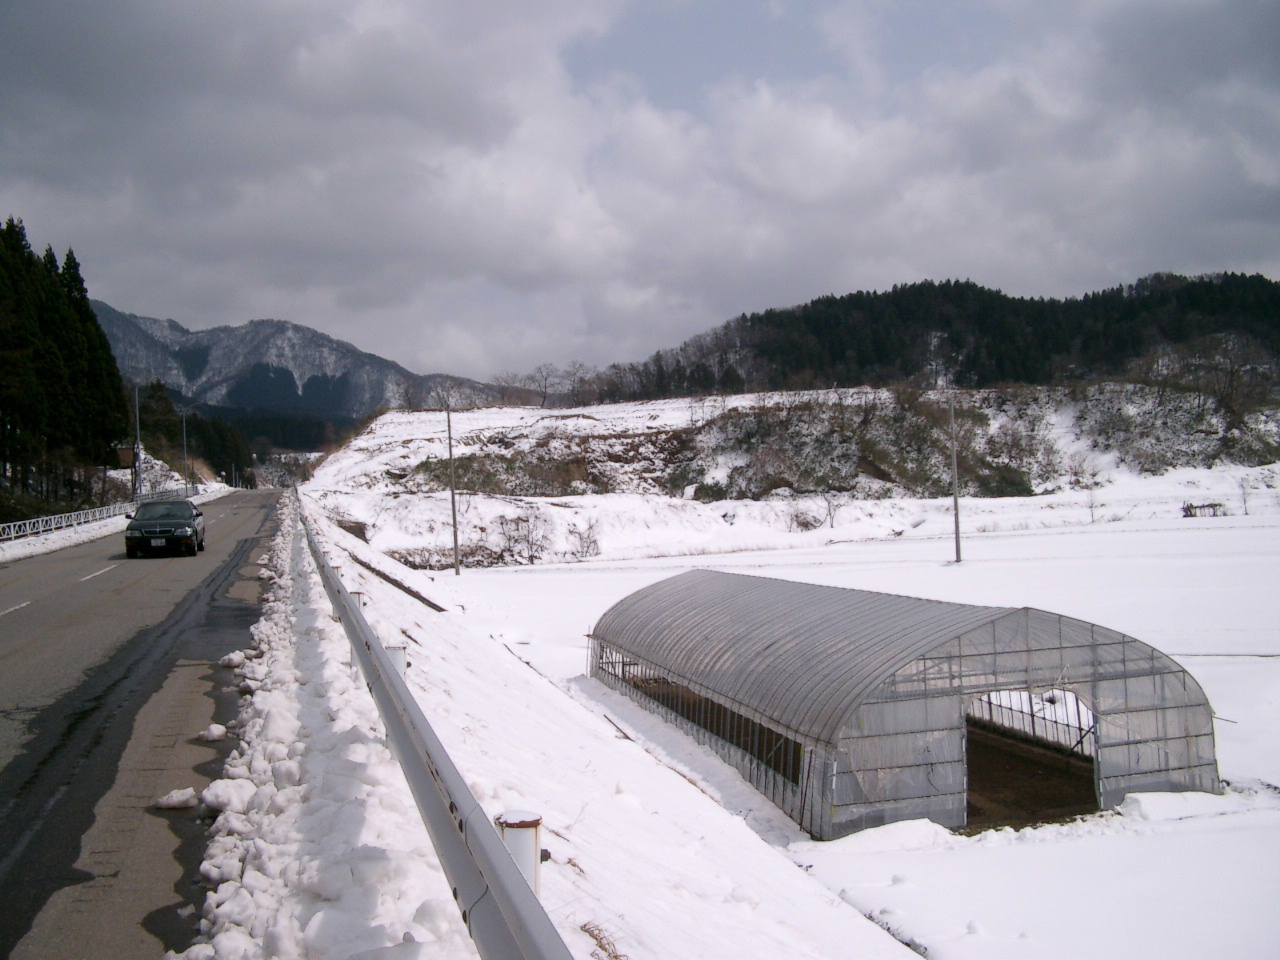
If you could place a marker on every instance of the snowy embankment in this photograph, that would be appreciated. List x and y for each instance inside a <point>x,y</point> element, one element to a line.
<point>386,484</point>
<point>317,849</point>
<point>663,849</point>
<point>1164,878</point>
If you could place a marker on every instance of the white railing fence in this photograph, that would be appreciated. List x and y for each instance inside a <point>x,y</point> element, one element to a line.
<point>38,525</point>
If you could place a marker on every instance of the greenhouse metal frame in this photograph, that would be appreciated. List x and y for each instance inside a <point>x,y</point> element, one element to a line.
<point>849,709</point>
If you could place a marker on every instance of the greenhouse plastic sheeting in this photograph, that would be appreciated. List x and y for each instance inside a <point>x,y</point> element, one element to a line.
<point>847,708</point>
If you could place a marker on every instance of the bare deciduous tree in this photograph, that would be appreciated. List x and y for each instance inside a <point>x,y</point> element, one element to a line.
<point>575,382</point>
<point>543,379</point>
<point>585,539</point>
<point>510,384</point>
<point>526,536</point>
<point>834,501</point>
<point>446,395</point>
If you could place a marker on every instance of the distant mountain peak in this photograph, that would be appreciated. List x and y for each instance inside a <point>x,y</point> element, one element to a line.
<point>268,364</point>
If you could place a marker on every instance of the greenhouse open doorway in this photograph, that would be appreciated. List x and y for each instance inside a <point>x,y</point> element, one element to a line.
<point>1029,759</point>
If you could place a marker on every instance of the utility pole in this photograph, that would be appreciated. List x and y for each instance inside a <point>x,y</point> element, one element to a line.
<point>186,464</point>
<point>137,446</point>
<point>955,474</point>
<point>453,495</point>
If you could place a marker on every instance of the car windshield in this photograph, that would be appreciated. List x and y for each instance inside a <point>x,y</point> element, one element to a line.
<point>163,511</point>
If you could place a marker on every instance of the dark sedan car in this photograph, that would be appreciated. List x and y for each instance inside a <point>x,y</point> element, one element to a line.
<point>164,526</point>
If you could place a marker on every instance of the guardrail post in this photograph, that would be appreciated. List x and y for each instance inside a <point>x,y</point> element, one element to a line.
<point>521,832</point>
<point>399,658</point>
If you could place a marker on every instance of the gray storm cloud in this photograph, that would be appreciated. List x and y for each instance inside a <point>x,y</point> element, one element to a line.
<point>472,188</point>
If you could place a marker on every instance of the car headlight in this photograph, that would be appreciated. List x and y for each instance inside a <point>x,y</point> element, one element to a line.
<point>132,534</point>
<point>183,531</point>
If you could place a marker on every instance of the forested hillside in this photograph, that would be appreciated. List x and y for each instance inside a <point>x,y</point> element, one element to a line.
<point>62,405</point>
<point>221,448</point>
<point>1165,329</point>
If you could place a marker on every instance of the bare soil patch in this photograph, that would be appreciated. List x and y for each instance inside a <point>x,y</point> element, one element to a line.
<point>1015,782</point>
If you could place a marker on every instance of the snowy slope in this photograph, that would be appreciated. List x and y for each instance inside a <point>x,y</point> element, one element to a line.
<point>376,484</point>
<point>319,855</point>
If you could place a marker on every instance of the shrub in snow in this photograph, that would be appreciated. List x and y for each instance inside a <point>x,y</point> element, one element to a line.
<point>584,540</point>
<point>524,537</point>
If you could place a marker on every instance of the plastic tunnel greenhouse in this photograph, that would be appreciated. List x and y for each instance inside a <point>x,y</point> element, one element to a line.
<point>851,709</point>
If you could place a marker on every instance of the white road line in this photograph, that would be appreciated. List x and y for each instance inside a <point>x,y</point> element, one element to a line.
<point>18,607</point>
<point>99,573</point>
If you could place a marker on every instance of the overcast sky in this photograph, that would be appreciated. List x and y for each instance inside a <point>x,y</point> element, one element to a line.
<point>476,186</point>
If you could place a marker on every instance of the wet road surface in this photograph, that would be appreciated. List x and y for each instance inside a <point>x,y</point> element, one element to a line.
<point>108,671</point>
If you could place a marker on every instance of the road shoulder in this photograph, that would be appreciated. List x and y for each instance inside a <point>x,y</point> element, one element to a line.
<point>139,893</point>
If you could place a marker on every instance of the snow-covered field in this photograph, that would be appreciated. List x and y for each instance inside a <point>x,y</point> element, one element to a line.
<point>656,844</point>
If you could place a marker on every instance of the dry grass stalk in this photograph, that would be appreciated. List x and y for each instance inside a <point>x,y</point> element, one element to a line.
<point>606,949</point>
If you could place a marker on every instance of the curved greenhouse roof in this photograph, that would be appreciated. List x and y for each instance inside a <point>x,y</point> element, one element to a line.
<point>803,656</point>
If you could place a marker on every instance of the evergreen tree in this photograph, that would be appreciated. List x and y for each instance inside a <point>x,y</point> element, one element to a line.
<point>61,407</point>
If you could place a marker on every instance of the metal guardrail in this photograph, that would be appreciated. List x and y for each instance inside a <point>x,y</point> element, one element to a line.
<point>38,525</point>
<point>170,493</point>
<point>503,916</point>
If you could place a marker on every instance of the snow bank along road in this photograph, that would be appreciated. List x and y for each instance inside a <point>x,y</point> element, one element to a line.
<point>106,667</point>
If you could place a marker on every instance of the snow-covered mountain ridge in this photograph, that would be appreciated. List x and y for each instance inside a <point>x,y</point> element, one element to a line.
<point>270,365</point>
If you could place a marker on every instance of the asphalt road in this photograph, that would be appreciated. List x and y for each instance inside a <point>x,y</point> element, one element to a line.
<point>104,662</point>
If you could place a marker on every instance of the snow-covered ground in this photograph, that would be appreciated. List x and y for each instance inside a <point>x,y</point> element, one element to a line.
<point>656,844</point>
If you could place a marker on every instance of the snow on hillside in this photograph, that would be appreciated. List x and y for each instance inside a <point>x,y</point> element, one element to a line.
<point>379,485</point>
<point>655,843</point>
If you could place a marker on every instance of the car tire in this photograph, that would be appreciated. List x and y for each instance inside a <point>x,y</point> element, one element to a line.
<point>201,547</point>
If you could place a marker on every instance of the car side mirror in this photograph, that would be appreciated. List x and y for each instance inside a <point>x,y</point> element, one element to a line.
<point>128,516</point>
<point>199,514</point>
